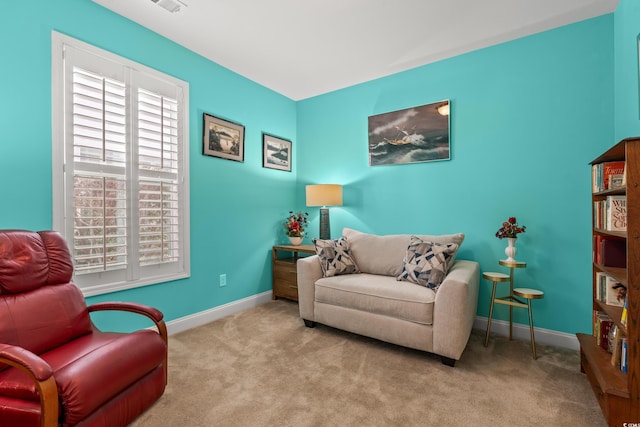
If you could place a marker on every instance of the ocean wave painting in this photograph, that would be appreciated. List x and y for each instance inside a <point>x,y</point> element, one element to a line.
<point>418,134</point>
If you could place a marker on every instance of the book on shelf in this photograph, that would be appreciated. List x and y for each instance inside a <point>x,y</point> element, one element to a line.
<point>610,291</point>
<point>625,313</point>
<point>611,168</point>
<point>601,173</point>
<point>602,328</point>
<point>614,345</point>
<point>616,214</point>
<point>616,181</point>
<point>610,214</point>
<point>616,292</point>
<point>624,354</point>
<point>610,251</point>
<point>601,286</point>
<point>599,207</point>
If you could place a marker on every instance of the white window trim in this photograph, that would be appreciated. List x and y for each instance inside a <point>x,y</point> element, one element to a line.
<point>60,223</point>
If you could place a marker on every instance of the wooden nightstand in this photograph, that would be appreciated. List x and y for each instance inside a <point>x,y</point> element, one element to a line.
<point>285,276</point>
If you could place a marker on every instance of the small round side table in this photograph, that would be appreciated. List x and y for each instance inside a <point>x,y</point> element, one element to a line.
<point>530,294</point>
<point>495,278</point>
<point>510,299</point>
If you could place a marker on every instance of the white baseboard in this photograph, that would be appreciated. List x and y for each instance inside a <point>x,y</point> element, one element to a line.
<point>542,336</point>
<point>500,327</point>
<point>208,316</point>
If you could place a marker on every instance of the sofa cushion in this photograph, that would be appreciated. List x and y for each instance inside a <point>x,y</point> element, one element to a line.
<point>335,257</point>
<point>377,294</point>
<point>384,254</point>
<point>427,263</point>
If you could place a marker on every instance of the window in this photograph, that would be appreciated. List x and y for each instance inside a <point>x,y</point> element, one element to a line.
<point>120,168</point>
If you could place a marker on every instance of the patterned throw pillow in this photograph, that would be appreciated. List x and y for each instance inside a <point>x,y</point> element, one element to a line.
<point>427,263</point>
<point>335,257</point>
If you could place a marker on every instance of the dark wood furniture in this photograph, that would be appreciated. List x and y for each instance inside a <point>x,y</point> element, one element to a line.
<point>285,276</point>
<point>618,392</point>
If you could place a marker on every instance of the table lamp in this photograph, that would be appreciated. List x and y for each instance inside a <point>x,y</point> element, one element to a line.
<point>324,195</point>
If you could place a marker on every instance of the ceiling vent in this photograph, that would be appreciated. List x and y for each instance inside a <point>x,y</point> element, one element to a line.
<point>172,6</point>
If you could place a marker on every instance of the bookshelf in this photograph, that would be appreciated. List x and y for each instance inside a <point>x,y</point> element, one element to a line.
<point>618,393</point>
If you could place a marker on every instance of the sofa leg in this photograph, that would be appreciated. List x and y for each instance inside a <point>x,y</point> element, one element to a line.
<point>448,361</point>
<point>309,323</point>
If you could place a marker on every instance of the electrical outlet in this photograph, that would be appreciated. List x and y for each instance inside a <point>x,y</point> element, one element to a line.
<point>223,280</point>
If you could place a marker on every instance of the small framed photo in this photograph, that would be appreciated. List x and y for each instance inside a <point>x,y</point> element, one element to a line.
<point>223,138</point>
<point>276,153</point>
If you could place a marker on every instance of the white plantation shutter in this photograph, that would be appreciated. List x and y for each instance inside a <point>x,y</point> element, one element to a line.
<point>157,132</point>
<point>159,238</point>
<point>158,191</point>
<point>99,119</point>
<point>100,205</point>
<point>100,223</point>
<point>120,165</point>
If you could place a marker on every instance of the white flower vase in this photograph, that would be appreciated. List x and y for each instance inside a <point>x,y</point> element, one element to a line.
<point>295,241</point>
<point>511,250</point>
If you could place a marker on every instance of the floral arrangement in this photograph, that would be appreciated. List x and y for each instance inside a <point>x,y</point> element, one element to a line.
<point>510,228</point>
<point>295,224</point>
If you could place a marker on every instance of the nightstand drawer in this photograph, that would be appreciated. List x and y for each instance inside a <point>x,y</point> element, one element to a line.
<point>285,289</point>
<point>284,271</point>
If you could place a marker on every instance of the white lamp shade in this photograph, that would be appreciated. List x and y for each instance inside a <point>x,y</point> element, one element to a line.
<point>324,195</point>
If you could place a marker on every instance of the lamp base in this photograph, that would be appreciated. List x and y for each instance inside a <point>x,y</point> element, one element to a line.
<point>325,229</point>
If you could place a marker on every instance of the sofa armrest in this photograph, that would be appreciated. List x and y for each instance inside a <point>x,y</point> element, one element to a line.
<point>41,374</point>
<point>309,271</point>
<point>455,309</point>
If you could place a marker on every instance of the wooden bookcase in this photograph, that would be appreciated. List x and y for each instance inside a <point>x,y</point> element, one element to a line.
<point>618,392</point>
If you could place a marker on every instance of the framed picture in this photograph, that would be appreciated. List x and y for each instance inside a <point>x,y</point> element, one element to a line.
<point>223,138</point>
<point>412,135</point>
<point>276,153</point>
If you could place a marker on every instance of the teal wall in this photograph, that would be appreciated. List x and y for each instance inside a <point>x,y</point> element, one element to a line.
<point>526,118</point>
<point>236,208</point>
<point>627,95</point>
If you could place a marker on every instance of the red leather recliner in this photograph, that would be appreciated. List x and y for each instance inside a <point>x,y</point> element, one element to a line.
<point>56,367</point>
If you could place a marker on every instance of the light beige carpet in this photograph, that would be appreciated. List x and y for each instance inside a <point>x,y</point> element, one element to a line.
<point>263,367</point>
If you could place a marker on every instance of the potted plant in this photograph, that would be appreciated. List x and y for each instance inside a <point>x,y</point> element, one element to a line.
<point>294,226</point>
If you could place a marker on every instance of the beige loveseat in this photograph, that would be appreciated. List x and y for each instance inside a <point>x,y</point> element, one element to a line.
<point>374,303</point>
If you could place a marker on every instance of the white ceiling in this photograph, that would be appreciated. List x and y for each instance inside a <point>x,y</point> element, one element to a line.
<point>302,48</point>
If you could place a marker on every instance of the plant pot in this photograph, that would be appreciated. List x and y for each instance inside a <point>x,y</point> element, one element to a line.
<point>295,241</point>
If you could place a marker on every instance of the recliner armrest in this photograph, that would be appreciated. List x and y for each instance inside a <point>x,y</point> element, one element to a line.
<point>25,360</point>
<point>154,314</point>
<point>41,373</point>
